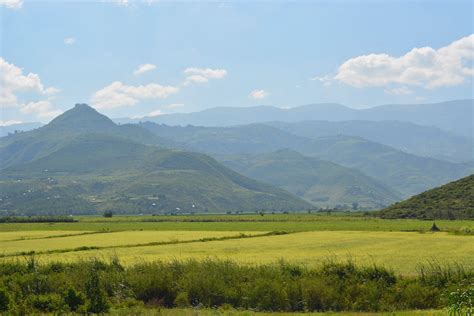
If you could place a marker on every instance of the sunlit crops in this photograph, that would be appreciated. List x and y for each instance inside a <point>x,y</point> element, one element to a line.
<point>401,251</point>
<point>398,244</point>
<point>103,239</point>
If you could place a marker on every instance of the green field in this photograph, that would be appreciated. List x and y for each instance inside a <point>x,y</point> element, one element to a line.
<point>309,239</point>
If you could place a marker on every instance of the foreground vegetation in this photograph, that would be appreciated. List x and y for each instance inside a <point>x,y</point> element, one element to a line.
<point>96,286</point>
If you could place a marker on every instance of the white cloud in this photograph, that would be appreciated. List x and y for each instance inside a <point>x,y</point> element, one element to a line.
<point>12,80</point>
<point>42,109</point>
<point>69,40</point>
<point>144,68</point>
<point>174,106</point>
<point>325,80</point>
<point>118,95</point>
<point>258,94</point>
<point>12,4</point>
<point>155,113</point>
<point>422,67</point>
<point>10,122</point>
<point>398,91</point>
<point>202,75</point>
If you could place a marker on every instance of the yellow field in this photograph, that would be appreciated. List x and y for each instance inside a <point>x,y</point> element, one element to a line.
<point>8,245</point>
<point>401,251</point>
<point>16,235</point>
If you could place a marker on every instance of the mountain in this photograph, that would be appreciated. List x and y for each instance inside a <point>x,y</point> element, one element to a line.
<point>27,146</point>
<point>426,141</point>
<point>453,116</point>
<point>92,167</point>
<point>323,183</point>
<point>19,127</point>
<point>405,173</point>
<point>454,200</point>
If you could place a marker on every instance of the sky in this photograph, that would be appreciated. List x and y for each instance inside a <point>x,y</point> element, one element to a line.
<point>148,58</point>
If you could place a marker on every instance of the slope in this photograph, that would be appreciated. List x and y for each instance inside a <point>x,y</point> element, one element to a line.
<point>454,200</point>
<point>94,172</point>
<point>27,146</point>
<point>406,173</point>
<point>323,183</point>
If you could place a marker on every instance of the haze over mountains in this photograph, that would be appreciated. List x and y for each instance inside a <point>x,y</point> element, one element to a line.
<point>453,116</point>
<point>306,157</point>
<point>84,163</point>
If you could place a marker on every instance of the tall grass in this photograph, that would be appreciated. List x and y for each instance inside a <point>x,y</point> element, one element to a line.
<point>32,286</point>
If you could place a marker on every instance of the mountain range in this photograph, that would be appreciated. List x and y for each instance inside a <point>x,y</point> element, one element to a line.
<point>452,116</point>
<point>82,162</point>
<point>405,173</point>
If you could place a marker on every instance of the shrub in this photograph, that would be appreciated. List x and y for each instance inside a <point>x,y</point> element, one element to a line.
<point>182,300</point>
<point>95,294</point>
<point>108,214</point>
<point>74,299</point>
<point>4,300</point>
<point>47,303</point>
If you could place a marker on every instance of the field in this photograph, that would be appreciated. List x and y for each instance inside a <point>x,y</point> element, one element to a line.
<point>308,239</point>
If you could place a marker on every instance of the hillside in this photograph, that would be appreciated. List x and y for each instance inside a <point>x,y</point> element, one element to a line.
<point>406,173</point>
<point>452,116</point>
<point>323,183</point>
<point>425,141</point>
<point>18,127</point>
<point>82,172</point>
<point>454,200</point>
<point>24,147</point>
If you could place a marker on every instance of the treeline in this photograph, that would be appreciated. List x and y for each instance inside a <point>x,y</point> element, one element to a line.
<point>36,219</point>
<point>94,286</point>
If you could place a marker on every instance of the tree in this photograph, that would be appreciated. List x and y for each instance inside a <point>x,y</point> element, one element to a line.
<point>95,294</point>
<point>108,214</point>
<point>355,206</point>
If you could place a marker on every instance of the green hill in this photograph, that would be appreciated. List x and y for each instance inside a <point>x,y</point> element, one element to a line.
<point>405,173</point>
<point>322,183</point>
<point>90,168</point>
<point>454,200</point>
<point>27,146</point>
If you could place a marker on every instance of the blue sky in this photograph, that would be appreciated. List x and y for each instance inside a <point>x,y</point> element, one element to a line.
<point>196,55</point>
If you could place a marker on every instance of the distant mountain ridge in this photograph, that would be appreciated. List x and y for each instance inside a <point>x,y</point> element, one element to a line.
<point>425,141</point>
<point>83,163</point>
<point>453,116</point>
<point>406,173</point>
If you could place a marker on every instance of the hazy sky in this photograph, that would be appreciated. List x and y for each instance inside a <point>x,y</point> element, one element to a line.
<point>130,58</point>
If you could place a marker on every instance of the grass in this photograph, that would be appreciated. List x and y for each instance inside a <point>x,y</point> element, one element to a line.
<point>234,312</point>
<point>398,244</point>
<point>113,239</point>
<point>268,222</point>
<point>400,251</point>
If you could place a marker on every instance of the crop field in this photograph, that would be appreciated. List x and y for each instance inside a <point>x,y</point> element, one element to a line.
<point>308,239</point>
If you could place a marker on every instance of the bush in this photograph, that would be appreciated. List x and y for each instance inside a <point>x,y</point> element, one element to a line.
<point>95,294</point>
<point>74,299</point>
<point>182,300</point>
<point>4,300</point>
<point>47,303</point>
<point>108,214</point>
